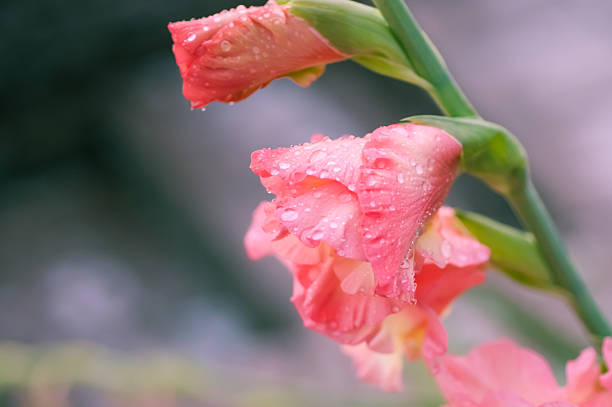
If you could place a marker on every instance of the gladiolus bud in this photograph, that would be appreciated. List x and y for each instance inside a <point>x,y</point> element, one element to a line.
<point>228,56</point>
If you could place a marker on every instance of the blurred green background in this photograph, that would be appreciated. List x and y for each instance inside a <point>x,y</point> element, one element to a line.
<point>123,280</point>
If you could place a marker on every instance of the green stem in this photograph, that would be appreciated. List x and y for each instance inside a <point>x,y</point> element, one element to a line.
<point>426,60</point>
<point>428,63</point>
<point>531,209</point>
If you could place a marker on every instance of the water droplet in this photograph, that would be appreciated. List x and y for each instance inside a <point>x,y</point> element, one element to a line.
<point>289,215</point>
<point>333,225</point>
<point>400,178</point>
<point>351,187</point>
<point>283,166</point>
<point>395,309</point>
<point>419,169</point>
<point>206,28</point>
<point>318,235</point>
<point>317,194</point>
<point>274,171</point>
<point>225,45</point>
<point>191,37</point>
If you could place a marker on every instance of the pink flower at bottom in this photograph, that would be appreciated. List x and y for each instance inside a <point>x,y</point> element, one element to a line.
<point>502,374</point>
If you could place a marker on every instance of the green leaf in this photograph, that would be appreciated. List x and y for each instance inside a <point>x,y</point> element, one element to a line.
<point>490,152</point>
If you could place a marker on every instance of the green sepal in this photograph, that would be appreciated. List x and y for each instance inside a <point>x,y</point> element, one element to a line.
<point>490,152</point>
<point>513,252</point>
<point>360,32</point>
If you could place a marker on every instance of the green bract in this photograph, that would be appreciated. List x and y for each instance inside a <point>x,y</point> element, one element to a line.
<point>360,32</point>
<point>513,251</point>
<point>490,152</point>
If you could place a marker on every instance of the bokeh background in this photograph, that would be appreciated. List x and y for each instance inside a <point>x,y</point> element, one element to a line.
<point>123,280</point>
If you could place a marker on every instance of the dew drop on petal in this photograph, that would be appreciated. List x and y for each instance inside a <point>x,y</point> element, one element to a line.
<point>283,166</point>
<point>289,215</point>
<point>225,45</point>
<point>318,235</point>
<point>191,37</point>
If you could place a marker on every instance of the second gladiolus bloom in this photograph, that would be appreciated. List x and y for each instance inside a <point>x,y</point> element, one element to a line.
<point>375,260</point>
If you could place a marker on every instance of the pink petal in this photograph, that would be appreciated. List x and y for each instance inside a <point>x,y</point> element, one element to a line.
<point>328,213</point>
<point>313,185</point>
<point>446,242</point>
<point>257,241</point>
<point>498,366</point>
<point>283,169</point>
<point>380,369</point>
<point>268,236</point>
<point>503,399</point>
<point>606,379</point>
<point>230,55</point>
<point>437,288</point>
<point>582,376</point>
<point>332,307</point>
<point>435,342</point>
<point>602,399</point>
<point>406,173</point>
<point>412,332</point>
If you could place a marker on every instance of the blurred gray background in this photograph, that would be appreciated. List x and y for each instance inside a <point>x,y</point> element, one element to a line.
<point>122,211</point>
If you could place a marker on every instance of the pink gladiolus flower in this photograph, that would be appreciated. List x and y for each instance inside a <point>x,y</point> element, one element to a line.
<point>502,374</point>
<point>228,56</point>
<point>345,221</point>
